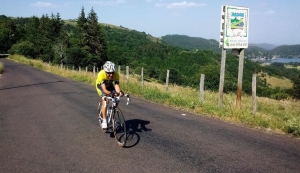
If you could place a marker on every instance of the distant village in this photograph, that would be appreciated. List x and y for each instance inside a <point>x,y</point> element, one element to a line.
<point>262,58</point>
<point>267,58</point>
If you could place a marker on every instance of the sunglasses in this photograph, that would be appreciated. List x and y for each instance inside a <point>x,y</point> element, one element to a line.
<point>109,72</point>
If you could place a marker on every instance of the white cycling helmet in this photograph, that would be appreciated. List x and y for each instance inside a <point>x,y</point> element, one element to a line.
<point>109,67</point>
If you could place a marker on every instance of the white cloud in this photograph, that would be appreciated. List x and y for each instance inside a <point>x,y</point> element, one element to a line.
<point>183,4</point>
<point>43,4</point>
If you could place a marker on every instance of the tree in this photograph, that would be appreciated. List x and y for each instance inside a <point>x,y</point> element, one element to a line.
<point>296,88</point>
<point>94,39</point>
<point>91,40</point>
<point>8,33</point>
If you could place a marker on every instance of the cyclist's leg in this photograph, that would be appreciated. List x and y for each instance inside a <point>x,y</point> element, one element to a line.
<point>103,106</point>
<point>99,92</point>
<point>105,102</point>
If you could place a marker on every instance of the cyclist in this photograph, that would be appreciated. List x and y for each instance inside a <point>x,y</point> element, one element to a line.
<point>107,84</point>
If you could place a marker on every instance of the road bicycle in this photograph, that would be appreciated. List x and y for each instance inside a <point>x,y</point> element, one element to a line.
<point>115,118</point>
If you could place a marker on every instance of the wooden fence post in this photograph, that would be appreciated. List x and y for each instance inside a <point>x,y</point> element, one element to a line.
<point>167,80</point>
<point>240,78</point>
<point>127,72</point>
<point>254,94</point>
<point>142,77</point>
<point>222,76</point>
<point>94,71</point>
<point>202,88</point>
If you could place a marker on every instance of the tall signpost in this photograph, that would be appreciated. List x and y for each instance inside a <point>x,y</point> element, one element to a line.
<point>223,58</point>
<point>234,35</point>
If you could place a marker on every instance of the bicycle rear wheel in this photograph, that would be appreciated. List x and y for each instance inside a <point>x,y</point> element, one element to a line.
<point>119,127</point>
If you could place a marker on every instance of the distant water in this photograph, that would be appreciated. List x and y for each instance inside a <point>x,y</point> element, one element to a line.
<point>285,60</point>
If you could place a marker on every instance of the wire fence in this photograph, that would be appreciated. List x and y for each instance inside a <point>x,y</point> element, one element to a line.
<point>201,83</point>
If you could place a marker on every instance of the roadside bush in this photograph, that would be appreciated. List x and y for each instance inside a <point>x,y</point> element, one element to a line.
<point>1,68</point>
<point>280,96</point>
<point>296,88</point>
<point>25,48</point>
<point>293,126</point>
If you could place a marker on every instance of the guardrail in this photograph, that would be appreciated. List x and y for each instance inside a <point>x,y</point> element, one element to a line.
<point>4,55</point>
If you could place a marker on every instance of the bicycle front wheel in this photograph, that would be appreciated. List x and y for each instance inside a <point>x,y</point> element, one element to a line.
<point>119,127</point>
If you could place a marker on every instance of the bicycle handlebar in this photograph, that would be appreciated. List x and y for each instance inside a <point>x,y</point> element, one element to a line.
<point>116,98</point>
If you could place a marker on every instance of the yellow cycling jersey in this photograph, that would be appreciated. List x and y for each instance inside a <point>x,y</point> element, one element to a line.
<point>103,79</point>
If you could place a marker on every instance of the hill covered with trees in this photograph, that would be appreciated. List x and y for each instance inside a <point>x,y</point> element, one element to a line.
<point>86,43</point>
<point>253,51</point>
<point>287,51</point>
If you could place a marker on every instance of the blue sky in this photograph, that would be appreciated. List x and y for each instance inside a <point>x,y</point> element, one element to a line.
<point>270,21</point>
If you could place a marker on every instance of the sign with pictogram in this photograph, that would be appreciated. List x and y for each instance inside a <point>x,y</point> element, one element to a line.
<point>234,27</point>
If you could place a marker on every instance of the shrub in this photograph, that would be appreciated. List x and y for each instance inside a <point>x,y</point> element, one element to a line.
<point>1,68</point>
<point>280,96</point>
<point>25,48</point>
<point>293,126</point>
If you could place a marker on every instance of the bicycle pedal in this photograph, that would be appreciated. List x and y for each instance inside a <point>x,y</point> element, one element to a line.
<point>104,130</point>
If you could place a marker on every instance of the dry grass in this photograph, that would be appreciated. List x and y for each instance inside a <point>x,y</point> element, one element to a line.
<point>271,115</point>
<point>290,66</point>
<point>283,83</point>
<point>1,68</point>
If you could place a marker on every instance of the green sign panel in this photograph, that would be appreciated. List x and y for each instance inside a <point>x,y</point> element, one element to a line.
<point>234,26</point>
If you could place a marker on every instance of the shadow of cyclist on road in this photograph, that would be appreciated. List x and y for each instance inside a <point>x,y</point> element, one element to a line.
<point>133,126</point>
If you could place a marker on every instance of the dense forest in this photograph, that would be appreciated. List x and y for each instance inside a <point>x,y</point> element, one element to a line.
<point>86,43</point>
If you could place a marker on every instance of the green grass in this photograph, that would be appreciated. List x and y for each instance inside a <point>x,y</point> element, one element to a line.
<point>283,83</point>
<point>290,66</point>
<point>272,116</point>
<point>1,68</point>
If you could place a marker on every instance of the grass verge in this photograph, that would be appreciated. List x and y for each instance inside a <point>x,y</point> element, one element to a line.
<point>1,68</point>
<point>273,116</point>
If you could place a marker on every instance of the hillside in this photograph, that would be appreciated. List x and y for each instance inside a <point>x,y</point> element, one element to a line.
<point>198,43</point>
<point>253,51</point>
<point>192,43</point>
<point>139,49</point>
<point>265,46</point>
<point>73,45</point>
<point>287,51</point>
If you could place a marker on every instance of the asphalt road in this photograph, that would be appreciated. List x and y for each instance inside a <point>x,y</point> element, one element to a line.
<point>49,124</point>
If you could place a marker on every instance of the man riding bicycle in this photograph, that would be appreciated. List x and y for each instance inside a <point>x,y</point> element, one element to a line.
<point>107,84</point>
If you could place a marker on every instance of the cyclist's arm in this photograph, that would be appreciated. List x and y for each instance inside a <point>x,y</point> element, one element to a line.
<point>117,84</point>
<point>117,88</point>
<point>104,90</point>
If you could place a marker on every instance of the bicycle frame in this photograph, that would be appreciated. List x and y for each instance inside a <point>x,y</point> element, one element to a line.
<point>115,102</point>
<point>114,116</point>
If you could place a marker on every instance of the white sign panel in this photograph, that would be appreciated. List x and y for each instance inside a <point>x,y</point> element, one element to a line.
<point>235,27</point>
